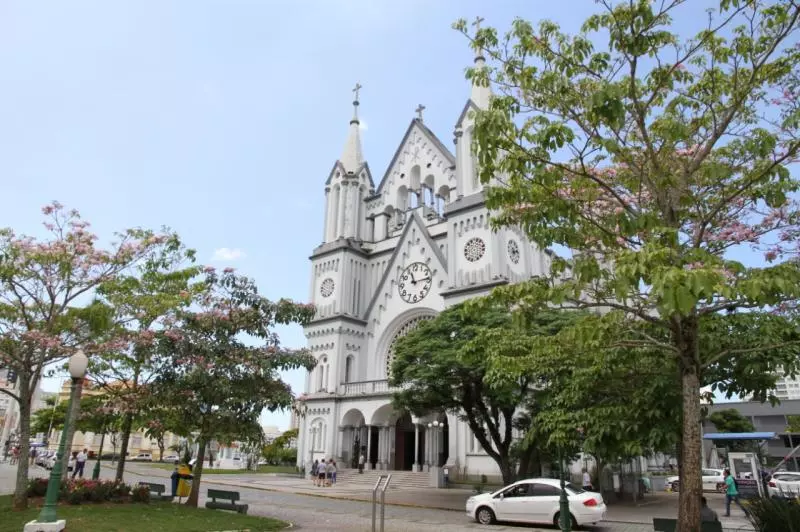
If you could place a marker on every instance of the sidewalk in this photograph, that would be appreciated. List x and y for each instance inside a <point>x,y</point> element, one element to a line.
<point>660,504</point>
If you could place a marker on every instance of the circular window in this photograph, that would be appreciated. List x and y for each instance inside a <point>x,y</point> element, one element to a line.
<point>326,288</point>
<point>513,251</point>
<point>474,249</point>
<point>407,327</point>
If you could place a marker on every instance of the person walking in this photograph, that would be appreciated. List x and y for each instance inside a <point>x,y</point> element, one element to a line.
<point>732,494</point>
<point>333,474</point>
<point>80,463</point>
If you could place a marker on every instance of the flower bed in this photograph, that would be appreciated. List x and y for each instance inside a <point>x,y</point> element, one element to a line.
<point>79,491</point>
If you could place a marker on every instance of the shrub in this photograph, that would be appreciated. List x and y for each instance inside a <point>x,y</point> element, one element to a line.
<point>76,495</point>
<point>140,494</point>
<point>37,487</point>
<point>771,514</point>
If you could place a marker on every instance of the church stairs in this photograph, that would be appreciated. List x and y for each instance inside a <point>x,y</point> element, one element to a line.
<point>400,479</point>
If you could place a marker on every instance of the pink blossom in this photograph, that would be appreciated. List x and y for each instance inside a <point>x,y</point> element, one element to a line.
<point>228,270</point>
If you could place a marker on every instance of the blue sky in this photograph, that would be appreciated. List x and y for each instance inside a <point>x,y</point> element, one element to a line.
<point>221,119</point>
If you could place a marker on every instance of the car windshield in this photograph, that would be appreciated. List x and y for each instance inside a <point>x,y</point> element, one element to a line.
<point>574,488</point>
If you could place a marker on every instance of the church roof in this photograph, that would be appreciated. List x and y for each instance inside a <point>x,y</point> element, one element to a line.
<point>431,137</point>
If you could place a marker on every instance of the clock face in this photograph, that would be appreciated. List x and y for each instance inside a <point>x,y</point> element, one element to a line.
<point>326,288</point>
<point>415,282</point>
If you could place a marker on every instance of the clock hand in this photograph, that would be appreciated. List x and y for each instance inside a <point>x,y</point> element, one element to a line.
<point>425,279</point>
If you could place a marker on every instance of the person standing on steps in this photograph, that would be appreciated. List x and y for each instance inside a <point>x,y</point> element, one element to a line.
<point>361,461</point>
<point>322,473</point>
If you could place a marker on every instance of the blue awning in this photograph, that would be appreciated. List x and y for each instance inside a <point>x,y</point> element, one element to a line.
<point>739,436</point>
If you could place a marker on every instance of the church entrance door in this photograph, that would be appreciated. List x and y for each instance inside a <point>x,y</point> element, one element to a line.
<point>404,444</point>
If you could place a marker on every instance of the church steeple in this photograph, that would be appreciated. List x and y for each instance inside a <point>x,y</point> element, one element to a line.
<point>352,156</point>
<point>480,95</point>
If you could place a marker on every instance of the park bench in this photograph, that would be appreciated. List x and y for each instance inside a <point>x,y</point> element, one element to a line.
<point>158,490</point>
<point>231,496</point>
<point>669,525</point>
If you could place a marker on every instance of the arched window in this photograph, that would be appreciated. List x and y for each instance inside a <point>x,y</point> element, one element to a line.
<point>322,374</point>
<point>348,368</point>
<point>407,327</point>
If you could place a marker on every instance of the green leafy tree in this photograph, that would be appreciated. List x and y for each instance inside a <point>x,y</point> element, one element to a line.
<point>730,420</point>
<point>210,381</point>
<point>144,301</point>
<point>47,310</point>
<point>96,416</point>
<point>277,451</point>
<point>794,424</point>
<point>441,365</point>
<point>651,156</point>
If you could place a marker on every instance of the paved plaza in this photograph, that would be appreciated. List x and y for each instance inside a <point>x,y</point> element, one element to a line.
<point>348,508</point>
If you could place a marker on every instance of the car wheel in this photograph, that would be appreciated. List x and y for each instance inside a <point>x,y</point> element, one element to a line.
<point>676,486</point>
<point>485,516</point>
<point>573,522</point>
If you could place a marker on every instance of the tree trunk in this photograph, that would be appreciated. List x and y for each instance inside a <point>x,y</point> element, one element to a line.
<point>194,495</point>
<point>74,410</point>
<point>21,489</point>
<point>123,448</point>
<point>690,466</point>
<point>160,449</point>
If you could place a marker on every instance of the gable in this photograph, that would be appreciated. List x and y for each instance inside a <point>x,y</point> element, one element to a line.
<point>414,242</point>
<point>339,168</point>
<point>469,106</point>
<point>420,160</point>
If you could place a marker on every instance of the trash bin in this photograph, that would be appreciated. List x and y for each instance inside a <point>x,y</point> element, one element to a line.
<point>184,480</point>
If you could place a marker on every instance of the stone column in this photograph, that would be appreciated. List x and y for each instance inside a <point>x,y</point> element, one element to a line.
<point>340,444</point>
<point>415,467</point>
<point>326,233</point>
<point>369,447</point>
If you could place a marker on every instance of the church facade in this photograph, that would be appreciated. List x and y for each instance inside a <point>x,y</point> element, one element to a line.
<point>394,255</point>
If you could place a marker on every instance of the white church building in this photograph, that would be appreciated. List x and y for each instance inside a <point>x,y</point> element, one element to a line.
<point>394,255</point>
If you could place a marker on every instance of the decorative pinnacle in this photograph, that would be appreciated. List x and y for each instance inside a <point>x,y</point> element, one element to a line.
<point>357,88</point>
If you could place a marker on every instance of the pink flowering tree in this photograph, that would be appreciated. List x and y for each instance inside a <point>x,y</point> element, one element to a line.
<point>144,300</point>
<point>48,308</point>
<point>217,366</point>
<point>651,163</point>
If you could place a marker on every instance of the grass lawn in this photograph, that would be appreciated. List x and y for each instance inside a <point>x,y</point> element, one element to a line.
<point>164,517</point>
<point>206,471</point>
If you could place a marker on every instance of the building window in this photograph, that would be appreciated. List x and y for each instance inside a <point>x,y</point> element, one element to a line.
<point>348,368</point>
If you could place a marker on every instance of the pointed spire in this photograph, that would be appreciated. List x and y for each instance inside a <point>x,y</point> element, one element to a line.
<point>352,157</point>
<point>480,95</point>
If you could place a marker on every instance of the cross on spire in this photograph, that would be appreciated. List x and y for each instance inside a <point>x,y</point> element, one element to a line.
<point>477,22</point>
<point>356,89</point>
<point>419,110</point>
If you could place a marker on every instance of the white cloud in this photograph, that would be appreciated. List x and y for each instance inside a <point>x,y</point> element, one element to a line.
<point>362,124</point>
<point>228,254</point>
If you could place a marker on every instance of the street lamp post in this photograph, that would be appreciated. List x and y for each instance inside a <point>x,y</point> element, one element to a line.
<point>77,370</point>
<point>564,521</point>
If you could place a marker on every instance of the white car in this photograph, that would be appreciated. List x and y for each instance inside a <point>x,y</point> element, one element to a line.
<point>713,480</point>
<point>170,458</point>
<point>784,484</point>
<point>536,500</point>
<point>142,457</point>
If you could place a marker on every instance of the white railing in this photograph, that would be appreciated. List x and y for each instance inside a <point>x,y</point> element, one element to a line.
<point>365,387</point>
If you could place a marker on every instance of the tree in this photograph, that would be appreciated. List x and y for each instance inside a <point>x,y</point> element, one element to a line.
<point>144,301</point>
<point>46,302</point>
<point>441,365</point>
<point>277,452</point>
<point>213,383</point>
<point>95,416</point>
<point>652,158</point>
<point>793,425</point>
<point>730,420</point>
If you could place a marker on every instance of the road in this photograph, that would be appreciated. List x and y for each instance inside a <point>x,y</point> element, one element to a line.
<point>309,512</point>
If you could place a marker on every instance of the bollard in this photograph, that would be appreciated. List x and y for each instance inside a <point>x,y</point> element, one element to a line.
<point>380,484</point>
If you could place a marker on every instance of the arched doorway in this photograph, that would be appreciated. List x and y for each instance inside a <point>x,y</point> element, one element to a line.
<point>405,447</point>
